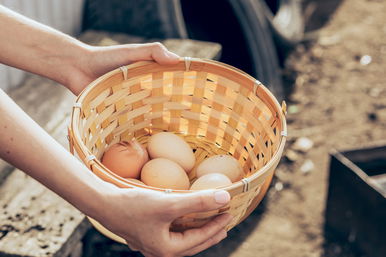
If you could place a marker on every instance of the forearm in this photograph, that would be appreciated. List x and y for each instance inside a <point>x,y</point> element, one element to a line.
<point>34,47</point>
<point>28,147</point>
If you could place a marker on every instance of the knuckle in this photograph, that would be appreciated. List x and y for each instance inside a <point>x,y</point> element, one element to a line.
<point>217,224</point>
<point>201,202</point>
<point>157,45</point>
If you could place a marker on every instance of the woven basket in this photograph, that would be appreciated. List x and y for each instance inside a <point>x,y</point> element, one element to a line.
<point>216,108</point>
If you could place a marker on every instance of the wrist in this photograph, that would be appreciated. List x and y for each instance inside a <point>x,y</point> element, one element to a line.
<point>76,73</point>
<point>104,195</point>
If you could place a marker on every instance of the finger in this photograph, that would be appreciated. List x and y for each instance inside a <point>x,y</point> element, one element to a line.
<point>197,236</point>
<point>153,51</point>
<point>222,234</point>
<point>205,200</point>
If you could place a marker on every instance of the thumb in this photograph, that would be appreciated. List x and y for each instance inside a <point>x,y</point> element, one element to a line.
<point>206,200</point>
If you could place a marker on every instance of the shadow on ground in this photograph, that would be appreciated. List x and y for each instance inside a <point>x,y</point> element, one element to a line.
<point>237,235</point>
<point>97,245</point>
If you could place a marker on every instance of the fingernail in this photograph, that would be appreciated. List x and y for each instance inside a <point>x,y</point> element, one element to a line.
<point>222,197</point>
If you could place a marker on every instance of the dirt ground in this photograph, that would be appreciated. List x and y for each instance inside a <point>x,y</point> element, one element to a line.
<point>337,100</point>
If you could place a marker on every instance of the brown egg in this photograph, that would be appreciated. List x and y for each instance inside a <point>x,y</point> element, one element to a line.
<point>211,180</point>
<point>224,164</point>
<point>136,181</point>
<point>125,159</point>
<point>170,146</point>
<point>164,173</point>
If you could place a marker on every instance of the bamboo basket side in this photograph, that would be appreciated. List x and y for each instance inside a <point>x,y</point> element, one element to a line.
<point>215,107</point>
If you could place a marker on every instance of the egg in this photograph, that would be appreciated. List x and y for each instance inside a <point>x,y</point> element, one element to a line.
<point>211,180</point>
<point>135,181</point>
<point>126,159</point>
<point>224,164</point>
<point>164,173</point>
<point>170,146</point>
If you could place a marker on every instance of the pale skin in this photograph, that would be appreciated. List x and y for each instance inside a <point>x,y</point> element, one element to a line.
<point>141,217</point>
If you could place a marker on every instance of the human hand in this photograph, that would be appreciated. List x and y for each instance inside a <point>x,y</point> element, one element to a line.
<point>96,61</point>
<point>143,219</point>
<point>64,59</point>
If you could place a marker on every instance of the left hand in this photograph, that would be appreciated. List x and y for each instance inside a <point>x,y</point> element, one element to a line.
<point>143,218</point>
<point>98,60</point>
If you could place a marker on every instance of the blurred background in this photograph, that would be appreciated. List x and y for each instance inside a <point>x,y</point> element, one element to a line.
<point>255,36</point>
<point>326,58</point>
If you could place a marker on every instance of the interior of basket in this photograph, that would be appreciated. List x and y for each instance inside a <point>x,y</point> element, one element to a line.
<point>214,114</point>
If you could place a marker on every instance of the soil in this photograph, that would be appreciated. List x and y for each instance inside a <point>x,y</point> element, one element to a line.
<point>337,99</point>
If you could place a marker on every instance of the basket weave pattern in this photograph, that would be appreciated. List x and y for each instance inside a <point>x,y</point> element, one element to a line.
<point>216,108</point>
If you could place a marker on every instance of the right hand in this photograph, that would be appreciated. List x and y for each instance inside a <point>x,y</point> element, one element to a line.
<point>143,219</point>
<point>97,60</point>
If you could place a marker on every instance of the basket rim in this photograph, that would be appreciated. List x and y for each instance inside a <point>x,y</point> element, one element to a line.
<point>257,177</point>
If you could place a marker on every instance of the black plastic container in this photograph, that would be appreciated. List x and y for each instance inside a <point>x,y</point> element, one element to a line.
<point>356,202</point>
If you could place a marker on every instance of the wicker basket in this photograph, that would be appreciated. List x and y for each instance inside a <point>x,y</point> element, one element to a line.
<point>217,108</point>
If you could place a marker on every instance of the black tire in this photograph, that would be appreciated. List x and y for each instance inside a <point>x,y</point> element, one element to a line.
<point>286,21</point>
<point>240,26</point>
<point>261,45</point>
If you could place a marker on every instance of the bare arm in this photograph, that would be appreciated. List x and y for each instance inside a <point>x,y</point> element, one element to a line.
<point>28,147</point>
<point>142,217</point>
<point>34,47</point>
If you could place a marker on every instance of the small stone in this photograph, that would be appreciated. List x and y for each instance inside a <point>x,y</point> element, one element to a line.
<point>279,186</point>
<point>293,109</point>
<point>307,166</point>
<point>291,156</point>
<point>375,92</point>
<point>329,40</point>
<point>317,52</point>
<point>44,246</point>
<point>300,81</point>
<point>245,245</point>
<point>303,144</point>
<point>365,60</point>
